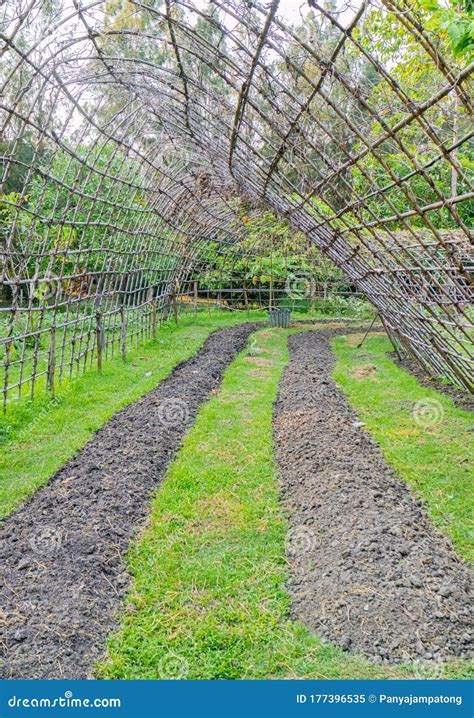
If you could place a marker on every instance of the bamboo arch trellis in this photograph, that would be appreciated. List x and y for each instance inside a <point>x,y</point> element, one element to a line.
<point>132,131</point>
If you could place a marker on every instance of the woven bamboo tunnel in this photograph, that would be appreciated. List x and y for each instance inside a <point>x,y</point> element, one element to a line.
<point>135,136</point>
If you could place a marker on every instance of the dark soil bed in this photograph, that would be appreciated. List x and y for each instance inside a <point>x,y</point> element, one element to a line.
<point>62,572</point>
<point>461,397</point>
<point>369,571</point>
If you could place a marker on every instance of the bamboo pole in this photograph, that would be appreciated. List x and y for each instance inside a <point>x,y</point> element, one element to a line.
<point>123,332</point>
<point>51,362</point>
<point>99,339</point>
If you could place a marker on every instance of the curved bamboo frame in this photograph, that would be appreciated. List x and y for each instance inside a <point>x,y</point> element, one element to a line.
<point>175,114</point>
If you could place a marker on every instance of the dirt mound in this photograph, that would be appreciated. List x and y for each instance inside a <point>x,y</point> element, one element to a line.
<point>62,574</point>
<point>369,571</point>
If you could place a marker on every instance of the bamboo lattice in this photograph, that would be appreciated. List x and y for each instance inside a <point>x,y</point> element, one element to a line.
<point>136,133</point>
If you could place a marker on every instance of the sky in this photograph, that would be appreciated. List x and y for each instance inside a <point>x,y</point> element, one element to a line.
<point>294,11</point>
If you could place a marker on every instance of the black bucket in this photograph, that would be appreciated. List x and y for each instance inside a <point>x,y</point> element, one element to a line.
<point>279,318</point>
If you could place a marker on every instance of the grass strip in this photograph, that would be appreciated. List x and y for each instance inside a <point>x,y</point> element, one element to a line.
<point>208,599</point>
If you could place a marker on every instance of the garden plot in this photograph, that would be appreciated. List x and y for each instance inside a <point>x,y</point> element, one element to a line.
<point>369,571</point>
<point>62,576</point>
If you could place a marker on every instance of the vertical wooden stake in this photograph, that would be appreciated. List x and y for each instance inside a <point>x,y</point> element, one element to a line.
<point>454,172</point>
<point>393,338</point>
<point>312,290</point>
<point>246,300</point>
<point>51,362</point>
<point>123,332</point>
<point>195,299</point>
<point>175,306</point>
<point>153,318</point>
<point>99,340</point>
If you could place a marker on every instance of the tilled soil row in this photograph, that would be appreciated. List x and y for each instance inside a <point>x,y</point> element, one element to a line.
<point>62,572</point>
<point>369,571</point>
